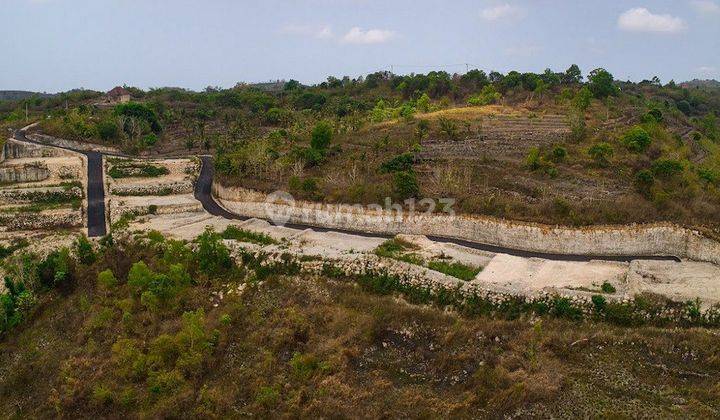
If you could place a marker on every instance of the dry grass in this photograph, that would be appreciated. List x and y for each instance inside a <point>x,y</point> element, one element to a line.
<point>302,347</point>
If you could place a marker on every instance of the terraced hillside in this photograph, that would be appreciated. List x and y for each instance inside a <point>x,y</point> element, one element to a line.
<point>40,188</point>
<point>554,147</point>
<point>501,137</point>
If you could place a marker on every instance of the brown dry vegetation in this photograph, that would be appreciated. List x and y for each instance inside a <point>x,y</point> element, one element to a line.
<point>494,160</point>
<point>314,347</point>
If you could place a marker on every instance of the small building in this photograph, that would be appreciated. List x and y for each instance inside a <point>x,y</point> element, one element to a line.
<point>117,95</point>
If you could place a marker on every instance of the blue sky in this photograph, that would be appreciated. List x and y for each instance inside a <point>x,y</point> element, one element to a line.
<point>54,45</point>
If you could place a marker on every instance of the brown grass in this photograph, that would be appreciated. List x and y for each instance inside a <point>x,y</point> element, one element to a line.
<point>303,347</point>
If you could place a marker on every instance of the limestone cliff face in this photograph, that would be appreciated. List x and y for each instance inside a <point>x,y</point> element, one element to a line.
<point>619,240</point>
<point>24,173</point>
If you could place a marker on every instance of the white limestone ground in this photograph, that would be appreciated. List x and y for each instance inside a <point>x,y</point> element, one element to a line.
<point>681,281</point>
<point>165,194</point>
<point>30,171</point>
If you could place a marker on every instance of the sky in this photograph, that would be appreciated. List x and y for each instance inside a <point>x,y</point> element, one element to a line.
<point>57,45</point>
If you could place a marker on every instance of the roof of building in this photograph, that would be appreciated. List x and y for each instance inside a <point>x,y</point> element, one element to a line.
<point>118,91</point>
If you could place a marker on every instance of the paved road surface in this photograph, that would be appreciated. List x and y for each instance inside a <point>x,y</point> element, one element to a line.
<point>95,189</point>
<point>95,195</point>
<point>203,193</point>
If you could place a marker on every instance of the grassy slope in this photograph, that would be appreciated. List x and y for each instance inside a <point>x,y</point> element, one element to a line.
<point>314,347</point>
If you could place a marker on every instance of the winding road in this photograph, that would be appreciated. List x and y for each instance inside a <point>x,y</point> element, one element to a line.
<point>203,192</point>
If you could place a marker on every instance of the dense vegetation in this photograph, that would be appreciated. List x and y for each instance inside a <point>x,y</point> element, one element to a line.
<point>150,327</point>
<point>636,152</point>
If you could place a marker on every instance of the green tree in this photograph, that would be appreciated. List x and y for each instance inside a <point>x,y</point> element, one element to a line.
<point>212,255</point>
<point>572,75</point>
<point>582,99</point>
<point>321,136</point>
<point>423,103</point>
<point>84,250</point>
<point>601,83</point>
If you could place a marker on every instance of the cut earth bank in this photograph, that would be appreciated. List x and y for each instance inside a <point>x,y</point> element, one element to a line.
<point>501,273</point>
<point>632,240</point>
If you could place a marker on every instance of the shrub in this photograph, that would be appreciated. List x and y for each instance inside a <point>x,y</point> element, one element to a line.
<point>708,175</point>
<point>108,130</point>
<point>84,250</point>
<point>636,139</point>
<point>321,136</point>
<point>102,395</point>
<point>275,116</point>
<point>402,162</point>
<point>423,103</point>
<point>578,128</point>
<point>212,255</point>
<point>488,95</point>
<point>644,180</point>
<point>140,276</point>
<point>56,269</point>
<point>306,365</point>
<point>128,358</point>
<point>583,99</point>
<point>558,154</point>
<point>534,159</point>
<point>601,153</point>
<point>152,209</point>
<point>455,269</point>
<point>235,233</point>
<point>405,184</point>
<point>666,168</point>
<point>608,288</point>
<point>107,279</point>
<point>653,116</point>
<point>149,140</point>
<point>448,127</point>
<point>599,302</point>
<point>130,170</point>
<point>684,107</point>
<point>268,396</point>
<point>423,128</point>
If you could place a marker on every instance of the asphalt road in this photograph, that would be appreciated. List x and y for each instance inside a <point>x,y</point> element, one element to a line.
<point>95,195</point>
<point>95,189</point>
<point>203,193</point>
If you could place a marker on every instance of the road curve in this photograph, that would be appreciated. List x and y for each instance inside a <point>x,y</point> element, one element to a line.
<point>203,193</point>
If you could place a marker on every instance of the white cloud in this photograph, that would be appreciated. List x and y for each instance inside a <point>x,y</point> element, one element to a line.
<point>319,32</point>
<point>706,6</point>
<point>641,19</point>
<point>502,11</point>
<point>371,36</point>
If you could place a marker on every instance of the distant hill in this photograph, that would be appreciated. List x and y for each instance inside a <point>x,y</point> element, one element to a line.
<point>16,95</point>
<point>697,83</point>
